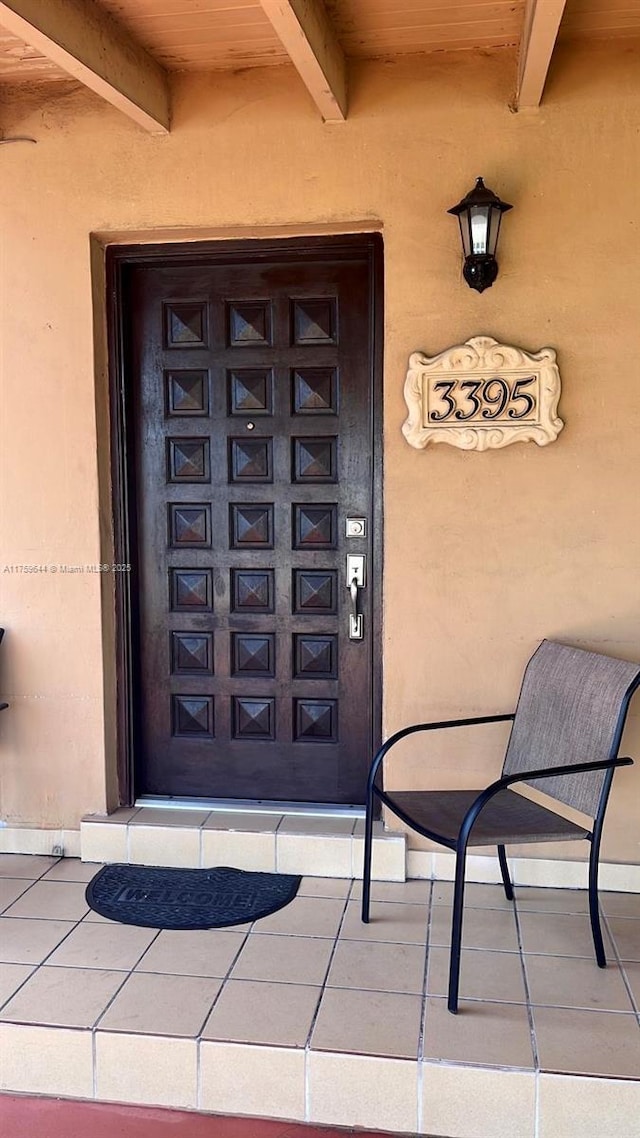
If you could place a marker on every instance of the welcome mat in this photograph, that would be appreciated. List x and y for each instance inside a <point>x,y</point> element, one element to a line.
<point>159,898</point>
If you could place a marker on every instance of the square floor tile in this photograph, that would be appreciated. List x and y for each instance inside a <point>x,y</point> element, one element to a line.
<point>305,916</point>
<point>536,900</point>
<point>378,966</point>
<point>477,1102</point>
<point>483,975</point>
<point>284,959</point>
<point>63,997</point>
<point>250,1011</point>
<point>489,1034</point>
<point>403,892</point>
<point>476,895</point>
<point>631,970</point>
<point>164,845</point>
<point>103,841</point>
<point>201,952</point>
<point>149,1004</point>
<point>28,941</point>
<point>587,1107</point>
<point>587,1043</point>
<point>181,819</point>
<point>58,900</point>
<point>400,924</point>
<point>250,822</point>
<point>154,1070</point>
<point>329,854</point>
<point>103,945</point>
<point>481,928</point>
<point>368,1023</point>
<point>362,1091</point>
<point>72,869</point>
<point>10,889</point>
<point>240,848</point>
<point>574,982</point>
<point>621,904</point>
<point>557,934</point>
<point>52,1061</point>
<point>11,977</point>
<point>626,935</point>
<point>303,824</point>
<point>262,1081</point>
<point>29,866</point>
<point>325,887</point>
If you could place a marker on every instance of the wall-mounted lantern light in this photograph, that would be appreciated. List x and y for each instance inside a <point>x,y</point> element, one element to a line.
<point>479,214</point>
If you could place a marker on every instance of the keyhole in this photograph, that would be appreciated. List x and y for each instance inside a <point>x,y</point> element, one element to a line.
<point>250,426</point>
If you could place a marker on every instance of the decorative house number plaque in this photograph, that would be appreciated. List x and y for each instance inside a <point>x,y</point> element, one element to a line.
<point>482,395</point>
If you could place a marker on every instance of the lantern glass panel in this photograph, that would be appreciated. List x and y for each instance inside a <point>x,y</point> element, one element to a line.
<point>465,232</point>
<point>494,229</point>
<point>479,222</point>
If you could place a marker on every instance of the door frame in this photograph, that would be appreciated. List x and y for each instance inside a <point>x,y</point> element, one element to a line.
<point>120,258</point>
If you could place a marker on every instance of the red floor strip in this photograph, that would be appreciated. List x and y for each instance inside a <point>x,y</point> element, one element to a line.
<point>58,1118</point>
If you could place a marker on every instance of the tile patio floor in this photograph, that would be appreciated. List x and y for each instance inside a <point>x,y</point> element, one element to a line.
<point>310,1015</point>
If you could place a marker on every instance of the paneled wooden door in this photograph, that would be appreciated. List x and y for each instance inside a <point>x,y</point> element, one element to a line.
<point>250,391</point>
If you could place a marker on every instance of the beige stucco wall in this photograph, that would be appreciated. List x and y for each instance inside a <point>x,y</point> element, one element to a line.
<point>485,553</point>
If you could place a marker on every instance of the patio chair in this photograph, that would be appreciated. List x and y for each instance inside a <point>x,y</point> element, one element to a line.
<point>565,738</point>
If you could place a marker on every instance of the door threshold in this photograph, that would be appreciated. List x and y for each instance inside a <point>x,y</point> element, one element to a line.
<point>255,806</point>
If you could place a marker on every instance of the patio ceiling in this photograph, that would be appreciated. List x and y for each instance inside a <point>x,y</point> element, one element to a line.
<point>125,50</point>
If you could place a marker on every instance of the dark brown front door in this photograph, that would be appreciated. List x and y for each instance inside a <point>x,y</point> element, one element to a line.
<point>250,393</point>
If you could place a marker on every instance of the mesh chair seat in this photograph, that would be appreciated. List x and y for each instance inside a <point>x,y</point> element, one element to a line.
<point>508,818</point>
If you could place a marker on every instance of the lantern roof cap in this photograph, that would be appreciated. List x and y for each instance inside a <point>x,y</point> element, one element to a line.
<point>479,195</point>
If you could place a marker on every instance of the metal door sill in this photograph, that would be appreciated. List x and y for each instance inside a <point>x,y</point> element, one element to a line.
<point>242,806</point>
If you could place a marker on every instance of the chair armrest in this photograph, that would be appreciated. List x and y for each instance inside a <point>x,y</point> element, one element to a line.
<point>442,725</point>
<point>524,776</point>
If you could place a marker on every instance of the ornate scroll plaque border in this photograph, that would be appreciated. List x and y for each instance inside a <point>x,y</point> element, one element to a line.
<point>485,357</point>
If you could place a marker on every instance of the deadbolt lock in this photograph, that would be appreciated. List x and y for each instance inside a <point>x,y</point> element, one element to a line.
<point>356,527</point>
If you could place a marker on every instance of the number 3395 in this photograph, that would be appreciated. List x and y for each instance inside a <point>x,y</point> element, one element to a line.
<point>486,398</point>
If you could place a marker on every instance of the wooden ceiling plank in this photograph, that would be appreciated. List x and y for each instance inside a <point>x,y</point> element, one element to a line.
<point>541,25</point>
<point>89,45</point>
<point>308,36</point>
<point>419,21</point>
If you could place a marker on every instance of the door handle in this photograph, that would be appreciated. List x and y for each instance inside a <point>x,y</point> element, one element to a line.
<point>355,581</point>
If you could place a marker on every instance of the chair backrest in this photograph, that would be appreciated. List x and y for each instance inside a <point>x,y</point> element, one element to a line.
<point>571,709</point>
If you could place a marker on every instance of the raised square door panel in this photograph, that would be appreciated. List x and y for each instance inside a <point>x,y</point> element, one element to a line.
<point>188,460</point>
<point>189,524</point>
<point>250,391</point>
<point>249,387</point>
<point>314,459</point>
<point>314,320</point>
<point>193,716</point>
<point>251,527</point>
<point>249,323</point>
<point>251,460</point>
<point>314,391</point>
<point>192,653</point>
<point>187,393</point>
<point>185,324</point>
<point>315,526</point>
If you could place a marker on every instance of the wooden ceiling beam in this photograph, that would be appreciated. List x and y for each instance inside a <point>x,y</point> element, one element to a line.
<point>541,23</point>
<point>89,45</point>
<point>309,39</point>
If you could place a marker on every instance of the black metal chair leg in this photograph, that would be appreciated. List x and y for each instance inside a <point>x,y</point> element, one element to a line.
<point>594,910</point>
<point>366,869</point>
<point>456,931</point>
<point>504,870</point>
